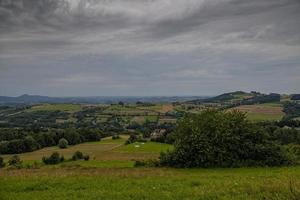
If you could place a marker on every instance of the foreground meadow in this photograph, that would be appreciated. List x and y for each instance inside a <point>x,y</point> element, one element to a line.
<point>150,183</point>
<point>110,174</point>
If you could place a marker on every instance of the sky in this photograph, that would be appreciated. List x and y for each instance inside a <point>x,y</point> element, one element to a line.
<point>148,47</point>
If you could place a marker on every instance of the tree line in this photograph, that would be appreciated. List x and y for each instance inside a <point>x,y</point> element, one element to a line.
<point>14,141</point>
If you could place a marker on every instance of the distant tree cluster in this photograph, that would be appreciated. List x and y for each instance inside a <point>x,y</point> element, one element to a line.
<point>292,109</point>
<point>30,141</point>
<point>143,132</point>
<point>35,119</point>
<point>259,99</point>
<point>295,97</point>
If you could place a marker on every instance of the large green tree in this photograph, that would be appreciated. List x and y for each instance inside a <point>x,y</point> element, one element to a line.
<point>221,139</point>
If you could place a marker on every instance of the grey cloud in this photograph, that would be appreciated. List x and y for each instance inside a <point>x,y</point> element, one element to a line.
<point>191,45</point>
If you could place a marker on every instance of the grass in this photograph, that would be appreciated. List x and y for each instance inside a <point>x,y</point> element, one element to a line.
<point>54,107</point>
<point>262,112</point>
<point>263,117</point>
<point>122,110</point>
<point>167,120</point>
<point>110,174</point>
<point>105,150</point>
<point>149,147</point>
<point>156,107</point>
<point>151,184</point>
<point>94,149</point>
<point>272,104</point>
<point>100,164</point>
<point>143,119</point>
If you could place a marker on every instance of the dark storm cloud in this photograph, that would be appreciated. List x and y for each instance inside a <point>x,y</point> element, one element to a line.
<point>124,46</point>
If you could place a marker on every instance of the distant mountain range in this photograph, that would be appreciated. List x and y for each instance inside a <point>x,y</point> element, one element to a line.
<point>237,97</point>
<point>34,99</point>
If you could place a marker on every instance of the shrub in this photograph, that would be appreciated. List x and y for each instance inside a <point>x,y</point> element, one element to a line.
<point>90,134</point>
<point>135,138</point>
<point>132,138</point>
<point>86,157</point>
<point>34,165</point>
<point>63,143</point>
<point>77,155</point>
<point>140,139</point>
<point>4,147</point>
<point>146,163</point>
<point>55,158</point>
<point>222,139</point>
<point>15,161</point>
<point>294,151</point>
<point>170,138</point>
<point>2,163</point>
<point>286,136</point>
<point>115,137</point>
<point>72,136</point>
<point>30,144</point>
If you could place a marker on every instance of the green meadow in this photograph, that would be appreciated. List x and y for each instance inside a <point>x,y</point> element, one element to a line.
<point>111,174</point>
<point>54,107</point>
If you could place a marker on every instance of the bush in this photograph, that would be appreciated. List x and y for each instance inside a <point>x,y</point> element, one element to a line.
<point>77,155</point>
<point>132,138</point>
<point>15,161</point>
<point>72,136</point>
<point>2,163</point>
<point>63,143</point>
<point>286,136</point>
<point>30,144</point>
<point>86,157</point>
<point>142,140</point>
<point>135,138</point>
<point>222,139</point>
<point>90,135</point>
<point>55,158</point>
<point>146,163</point>
<point>170,138</point>
<point>115,137</point>
<point>4,147</point>
<point>34,165</point>
<point>294,151</point>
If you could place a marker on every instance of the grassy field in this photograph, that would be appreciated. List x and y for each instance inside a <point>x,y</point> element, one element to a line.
<point>110,174</point>
<point>149,147</point>
<point>143,119</point>
<point>150,183</point>
<point>105,150</point>
<point>261,112</point>
<point>54,107</point>
<point>263,117</point>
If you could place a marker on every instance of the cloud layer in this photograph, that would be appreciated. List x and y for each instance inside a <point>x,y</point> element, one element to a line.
<point>148,47</point>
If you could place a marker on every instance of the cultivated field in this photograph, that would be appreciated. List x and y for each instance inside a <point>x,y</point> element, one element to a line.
<point>54,107</point>
<point>262,112</point>
<point>105,150</point>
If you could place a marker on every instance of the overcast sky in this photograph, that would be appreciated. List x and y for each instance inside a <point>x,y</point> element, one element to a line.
<point>148,47</point>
